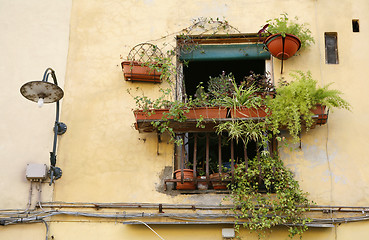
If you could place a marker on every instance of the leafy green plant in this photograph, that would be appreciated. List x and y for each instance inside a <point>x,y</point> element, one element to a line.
<point>243,130</point>
<point>284,203</point>
<point>293,103</point>
<point>284,25</point>
<point>241,96</point>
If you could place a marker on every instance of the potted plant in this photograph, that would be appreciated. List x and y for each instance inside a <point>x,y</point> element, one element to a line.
<point>188,176</point>
<point>295,103</point>
<point>142,64</point>
<point>243,102</point>
<point>285,36</point>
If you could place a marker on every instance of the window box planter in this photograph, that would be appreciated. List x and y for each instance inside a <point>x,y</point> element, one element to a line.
<point>322,115</point>
<point>282,47</point>
<point>243,112</point>
<point>152,114</point>
<point>206,113</point>
<point>136,71</point>
<point>193,113</point>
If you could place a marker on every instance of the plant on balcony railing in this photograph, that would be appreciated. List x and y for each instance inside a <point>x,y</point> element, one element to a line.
<point>292,107</point>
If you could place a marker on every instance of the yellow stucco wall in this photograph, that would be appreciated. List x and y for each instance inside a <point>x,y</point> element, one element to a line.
<point>34,36</point>
<point>104,159</point>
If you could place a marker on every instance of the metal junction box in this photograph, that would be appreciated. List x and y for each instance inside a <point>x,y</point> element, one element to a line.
<point>36,172</point>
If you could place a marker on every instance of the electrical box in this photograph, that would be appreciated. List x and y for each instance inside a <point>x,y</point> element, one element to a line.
<point>228,233</point>
<point>36,172</point>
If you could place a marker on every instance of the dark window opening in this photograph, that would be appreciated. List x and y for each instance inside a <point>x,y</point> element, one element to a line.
<point>355,25</point>
<point>331,49</point>
<point>200,71</point>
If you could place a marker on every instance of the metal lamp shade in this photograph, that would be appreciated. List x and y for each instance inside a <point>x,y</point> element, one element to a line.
<point>40,89</point>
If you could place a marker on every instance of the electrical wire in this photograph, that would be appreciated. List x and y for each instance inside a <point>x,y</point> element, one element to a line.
<point>47,228</point>
<point>39,196</point>
<point>148,227</point>
<point>19,211</point>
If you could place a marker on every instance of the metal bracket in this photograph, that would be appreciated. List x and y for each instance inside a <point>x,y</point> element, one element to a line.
<point>62,128</point>
<point>55,173</point>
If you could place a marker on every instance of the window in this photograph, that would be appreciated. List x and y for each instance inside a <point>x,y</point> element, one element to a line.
<point>355,25</point>
<point>205,152</point>
<point>209,154</point>
<point>331,50</point>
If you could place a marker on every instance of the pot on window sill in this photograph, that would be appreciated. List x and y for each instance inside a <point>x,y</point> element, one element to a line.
<point>217,181</point>
<point>188,176</point>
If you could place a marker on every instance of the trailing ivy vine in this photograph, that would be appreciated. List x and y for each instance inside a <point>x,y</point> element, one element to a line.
<point>265,194</point>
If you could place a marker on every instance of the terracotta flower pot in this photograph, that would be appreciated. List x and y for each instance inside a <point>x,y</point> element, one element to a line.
<point>216,181</point>
<point>187,175</point>
<point>134,71</point>
<point>322,115</point>
<point>275,46</point>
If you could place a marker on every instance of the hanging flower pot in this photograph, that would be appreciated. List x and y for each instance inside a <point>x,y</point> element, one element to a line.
<point>136,71</point>
<point>282,47</point>
<point>142,64</point>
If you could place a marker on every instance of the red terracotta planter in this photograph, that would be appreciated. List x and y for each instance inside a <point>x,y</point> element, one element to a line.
<point>134,71</point>
<point>322,115</point>
<point>152,114</point>
<point>193,113</point>
<point>206,113</point>
<point>187,175</point>
<point>216,181</point>
<point>274,45</point>
<point>243,112</point>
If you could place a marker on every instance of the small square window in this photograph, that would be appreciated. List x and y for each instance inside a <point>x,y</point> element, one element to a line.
<point>355,25</point>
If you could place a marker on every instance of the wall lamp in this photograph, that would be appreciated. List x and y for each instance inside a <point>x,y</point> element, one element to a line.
<point>46,92</point>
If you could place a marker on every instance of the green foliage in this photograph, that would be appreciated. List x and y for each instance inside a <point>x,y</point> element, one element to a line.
<point>294,101</point>
<point>241,96</point>
<point>284,25</point>
<point>283,203</point>
<point>243,130</point>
